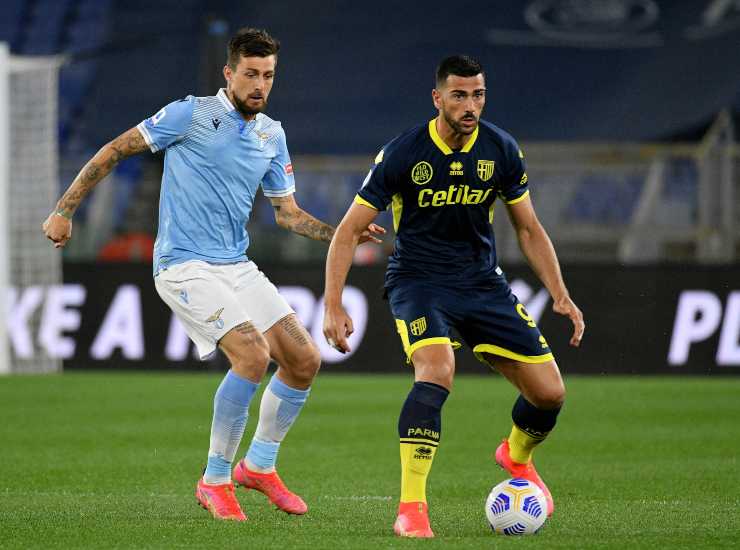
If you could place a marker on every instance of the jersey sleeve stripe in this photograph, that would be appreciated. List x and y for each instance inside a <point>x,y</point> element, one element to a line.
<point>519,199</point>
<point>147,137</point>
<point>363,202</point>
<point>277,194</point>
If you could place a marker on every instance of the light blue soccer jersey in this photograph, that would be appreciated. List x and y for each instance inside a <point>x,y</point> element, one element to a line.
<point>213,165</point>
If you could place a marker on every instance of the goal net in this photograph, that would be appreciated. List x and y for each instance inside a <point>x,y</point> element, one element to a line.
<point>29,265</point>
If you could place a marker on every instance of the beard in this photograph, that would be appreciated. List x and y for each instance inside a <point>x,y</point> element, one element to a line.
<point>245,109</point>
<point>457,126</point>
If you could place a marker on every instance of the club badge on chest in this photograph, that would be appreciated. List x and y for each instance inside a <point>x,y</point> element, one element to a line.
<point>262,139</point>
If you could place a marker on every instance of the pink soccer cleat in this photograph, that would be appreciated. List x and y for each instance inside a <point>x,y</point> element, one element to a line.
<point>526,471</point>
<point>219,500</point>
<point>413,521</point>
<point>272,487</point>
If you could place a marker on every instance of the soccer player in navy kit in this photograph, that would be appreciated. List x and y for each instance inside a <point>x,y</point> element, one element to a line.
<point>441,180</point>
<point>219,150</point>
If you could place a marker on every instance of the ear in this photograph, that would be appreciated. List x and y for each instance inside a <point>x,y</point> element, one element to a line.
<point>228,73</point>
<point>436,99</point>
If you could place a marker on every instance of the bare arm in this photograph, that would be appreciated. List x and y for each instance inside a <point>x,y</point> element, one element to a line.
<point>129,143</point>
<point>337,324</point>
<point>58,226</point>
<point>537,248</point>
<point>290,216</point>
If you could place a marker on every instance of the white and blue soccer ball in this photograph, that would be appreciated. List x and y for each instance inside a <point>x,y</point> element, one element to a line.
<point>516,507</point>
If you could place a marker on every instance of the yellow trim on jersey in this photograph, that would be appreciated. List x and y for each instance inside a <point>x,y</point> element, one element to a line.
<point>363,202</point>
<point>480,349</point>
<point>490,212</point>
<point>440,143</point>
<point>469,145</point>
<point>397,206</point>
<point>437,139</point>
<point>519,199</point>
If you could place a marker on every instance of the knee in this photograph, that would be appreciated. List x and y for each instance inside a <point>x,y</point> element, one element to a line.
<point>304,368</point>
<point>550,398</point>
<point>441,374</point>
<point>251,363</point>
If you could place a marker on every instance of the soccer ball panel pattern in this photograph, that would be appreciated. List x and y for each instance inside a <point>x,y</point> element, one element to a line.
<point>516,507</point>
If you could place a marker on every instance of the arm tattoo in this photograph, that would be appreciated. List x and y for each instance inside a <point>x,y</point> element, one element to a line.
<point>303,223</point>
<point>295,330</point>
<point>127,144</point>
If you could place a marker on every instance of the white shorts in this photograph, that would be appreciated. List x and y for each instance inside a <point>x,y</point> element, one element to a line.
<point>210,299</point>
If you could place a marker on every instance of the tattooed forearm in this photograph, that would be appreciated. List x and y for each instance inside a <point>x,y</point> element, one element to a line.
<point>125,145</point>
<point>303,223</point>
<point>310,227</point>
<point>294,329</point>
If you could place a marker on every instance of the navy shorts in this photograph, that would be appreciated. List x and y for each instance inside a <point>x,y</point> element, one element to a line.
<point>490,320</point>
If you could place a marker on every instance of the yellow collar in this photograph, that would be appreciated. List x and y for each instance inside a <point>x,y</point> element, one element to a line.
<point>439,142</point>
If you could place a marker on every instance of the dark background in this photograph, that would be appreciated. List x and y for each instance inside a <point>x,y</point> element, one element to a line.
<point>629,318</point>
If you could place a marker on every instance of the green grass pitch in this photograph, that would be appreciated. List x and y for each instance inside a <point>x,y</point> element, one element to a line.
<point>111,460</point>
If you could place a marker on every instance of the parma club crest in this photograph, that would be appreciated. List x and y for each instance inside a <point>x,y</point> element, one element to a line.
<point>485,169</point>
<point>418,326</point>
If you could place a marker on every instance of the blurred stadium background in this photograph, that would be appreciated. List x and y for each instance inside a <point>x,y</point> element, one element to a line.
<point>627,111</point>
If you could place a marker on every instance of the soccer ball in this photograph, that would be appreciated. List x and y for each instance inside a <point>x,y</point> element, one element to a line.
<point>516,507</point>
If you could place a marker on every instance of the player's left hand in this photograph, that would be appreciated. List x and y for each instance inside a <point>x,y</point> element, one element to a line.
<point>337,328</point>
<point>566,306</point>
<point>372,229</point>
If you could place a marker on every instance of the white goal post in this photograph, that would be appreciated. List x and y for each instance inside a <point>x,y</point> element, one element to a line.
<point>29,187</point>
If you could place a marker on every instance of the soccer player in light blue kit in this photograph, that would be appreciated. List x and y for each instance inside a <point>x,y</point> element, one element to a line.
<point>218,151</point>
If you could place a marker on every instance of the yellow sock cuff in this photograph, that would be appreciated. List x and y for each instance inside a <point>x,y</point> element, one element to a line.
<point>416,463</point>
<point>521,445</point>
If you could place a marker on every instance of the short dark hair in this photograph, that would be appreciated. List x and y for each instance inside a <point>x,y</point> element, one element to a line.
<point>249,42</point>
<point>459,65</point>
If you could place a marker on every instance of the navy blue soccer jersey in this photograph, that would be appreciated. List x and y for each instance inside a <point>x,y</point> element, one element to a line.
<point>442,201</point>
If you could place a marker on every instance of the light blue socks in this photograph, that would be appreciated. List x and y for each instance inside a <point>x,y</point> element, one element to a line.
<point>230,412</point>
<point>279,408</point>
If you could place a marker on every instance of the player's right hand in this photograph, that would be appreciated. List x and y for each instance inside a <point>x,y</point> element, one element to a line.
<point>57,229</point>
<point>566,306</point>
<point>337,328</point>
